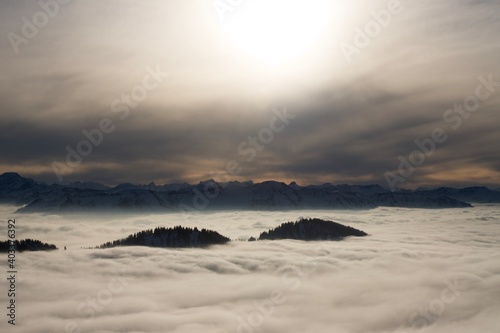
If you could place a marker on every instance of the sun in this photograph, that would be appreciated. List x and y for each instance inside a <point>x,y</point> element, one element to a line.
<point>275,31</point>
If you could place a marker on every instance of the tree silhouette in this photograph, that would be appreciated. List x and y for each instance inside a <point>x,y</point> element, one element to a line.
<point>311,229</point>
<point>26,245</point>
<point>170,237</point>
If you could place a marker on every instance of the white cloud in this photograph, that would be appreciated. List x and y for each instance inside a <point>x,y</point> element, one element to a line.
<point>387,282</point>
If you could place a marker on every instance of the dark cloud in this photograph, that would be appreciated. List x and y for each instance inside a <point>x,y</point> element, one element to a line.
<point>353,120</point>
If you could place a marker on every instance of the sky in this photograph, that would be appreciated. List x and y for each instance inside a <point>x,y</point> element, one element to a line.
<point>418,271</point>
<point>309,91</point>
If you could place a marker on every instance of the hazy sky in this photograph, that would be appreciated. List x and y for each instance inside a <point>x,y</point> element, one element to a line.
<point>355,103</point>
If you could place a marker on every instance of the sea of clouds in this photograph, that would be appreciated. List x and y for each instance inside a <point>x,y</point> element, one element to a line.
<point>424,271</point>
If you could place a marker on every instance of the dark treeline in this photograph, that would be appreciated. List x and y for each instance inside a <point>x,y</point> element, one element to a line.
<point>170,237</point>
<point>27,245</point>
<point>311,229</point>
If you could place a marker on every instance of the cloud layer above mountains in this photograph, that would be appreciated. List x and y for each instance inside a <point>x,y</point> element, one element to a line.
<point>353,119</point>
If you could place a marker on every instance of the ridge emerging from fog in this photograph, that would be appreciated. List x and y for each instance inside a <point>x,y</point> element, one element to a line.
<point>211,195</point>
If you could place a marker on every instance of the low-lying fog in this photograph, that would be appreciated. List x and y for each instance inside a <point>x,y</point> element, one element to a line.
<point>418,271</point>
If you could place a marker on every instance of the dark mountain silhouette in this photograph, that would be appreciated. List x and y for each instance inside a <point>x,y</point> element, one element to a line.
<point>476,194</point>
<point>311,229</point>
<point>77,197</point>
<point>170,237</point>
<point>27,245</point>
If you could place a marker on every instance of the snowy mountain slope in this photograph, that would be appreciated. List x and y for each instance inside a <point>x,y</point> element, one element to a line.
<point>475,194</point>
<point>210,195</point>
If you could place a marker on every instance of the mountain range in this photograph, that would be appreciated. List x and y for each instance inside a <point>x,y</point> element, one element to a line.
<point>31,196</point>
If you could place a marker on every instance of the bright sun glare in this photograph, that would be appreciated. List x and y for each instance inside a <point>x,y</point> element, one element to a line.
<point>275,31</point>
